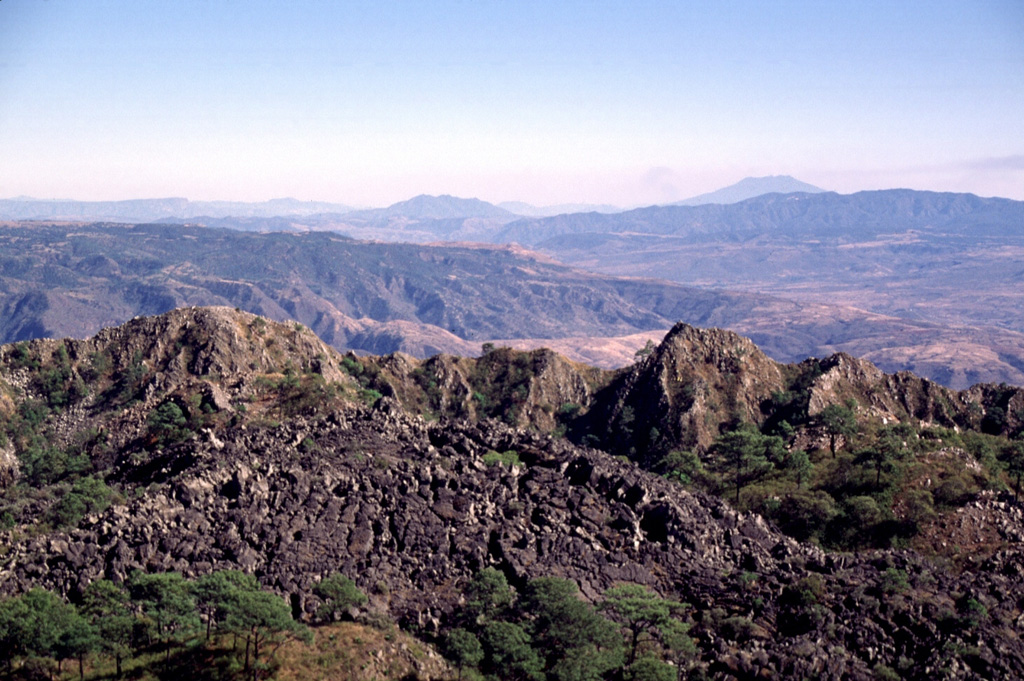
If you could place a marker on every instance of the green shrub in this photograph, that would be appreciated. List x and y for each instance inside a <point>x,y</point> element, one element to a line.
<point>167,423</point>
<point>34,412</point>
<point>808,591</point>
<point>23,358</point>
<point>339,594</point>
<point>884,673</point>
<point>43,464</point>
<point>351,366</point>
<point>953,492</point>
<point>683,467</point>
<point>804,515</point>
<point>463,648</point>
<point>650,668</point>
<point>856,524</point>
<point>132,379</point>
<point>303,394</point>
<point>369,396</point>
<point>971,611</point>
<point>508,458</point>
<point>87,495</point>
<point>98,366</point>
<point>569,410</point>
<point>738,629</point>
<point>894,581</point>
<point>920,506</point>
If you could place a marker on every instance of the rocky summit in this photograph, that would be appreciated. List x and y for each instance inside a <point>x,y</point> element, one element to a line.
<point>231,442</point>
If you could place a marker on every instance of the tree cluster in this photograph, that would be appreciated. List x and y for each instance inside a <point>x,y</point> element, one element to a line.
<point>547,632</point>
<point>162,610</point>
<point>860,489</point>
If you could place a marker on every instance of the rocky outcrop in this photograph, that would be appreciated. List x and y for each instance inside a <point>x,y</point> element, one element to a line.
<point>526,389</point>
<point>889,398</point>
<point>681,394</point>
<point>212,342</point>
<point>9,466</point>
<point>699,381</point>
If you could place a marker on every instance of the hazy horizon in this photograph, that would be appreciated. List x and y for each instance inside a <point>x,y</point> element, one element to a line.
<point>633,104</point>
<point>63,199</point>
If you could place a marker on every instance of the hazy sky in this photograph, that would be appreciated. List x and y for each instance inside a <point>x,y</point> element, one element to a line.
<point>629,103</point>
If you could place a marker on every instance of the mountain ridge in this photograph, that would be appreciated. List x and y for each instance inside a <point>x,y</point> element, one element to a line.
<point>441,207</point>
<point>148,210</point>
<point>751,187</point>
<point>825,214</point>
<point>910,254</point>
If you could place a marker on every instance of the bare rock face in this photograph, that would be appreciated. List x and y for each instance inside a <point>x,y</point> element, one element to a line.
<point>9,467</point>
<point>995,408</point>
<point>890,397</point>
<point>213,342</point>
<point>534,386</point>
<point>446,381</point>
<point>558,384</point>
<point>843,377</point>
<point>8,460</point>
<point>698,381</point>
<point>726,374</point>
<point>904,396</point>
<point>682,392</point>
<point>525,389</point>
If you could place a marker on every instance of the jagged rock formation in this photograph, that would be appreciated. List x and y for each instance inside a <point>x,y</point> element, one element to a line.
<point>698,381</point>
<point>692,383</point>
<point>526,389</point>
<point>305,462</point>
<point>891,397</point>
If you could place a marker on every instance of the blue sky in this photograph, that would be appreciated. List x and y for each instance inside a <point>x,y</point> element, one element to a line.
<point>629,103</point>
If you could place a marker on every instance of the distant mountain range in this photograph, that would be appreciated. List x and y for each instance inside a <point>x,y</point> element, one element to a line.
<point>751,187</point>
<point>148,210</point>
<point>527,210</point>
<point>422,207</point>
<point>941,257</point>
<point>948,267</point>
<point>444,207</point>
<point>821,215</point>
